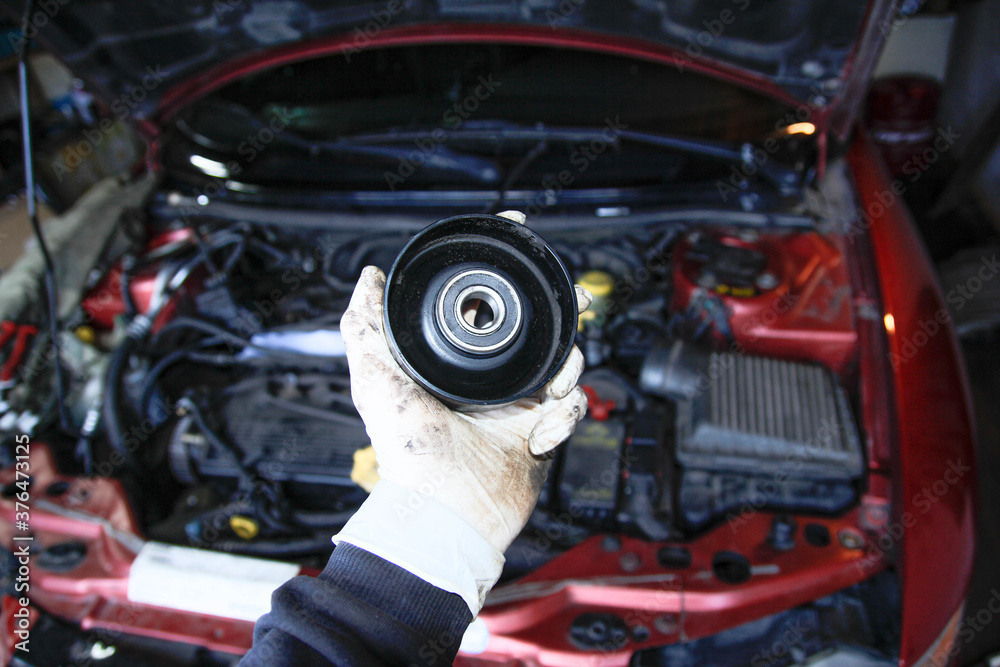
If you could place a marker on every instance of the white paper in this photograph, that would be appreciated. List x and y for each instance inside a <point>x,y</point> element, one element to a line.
<point>205,582</point>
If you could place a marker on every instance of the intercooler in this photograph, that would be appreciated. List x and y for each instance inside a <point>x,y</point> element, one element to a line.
<point>756,431</point>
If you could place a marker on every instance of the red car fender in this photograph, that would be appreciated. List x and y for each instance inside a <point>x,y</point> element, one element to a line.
<point>933,525</point>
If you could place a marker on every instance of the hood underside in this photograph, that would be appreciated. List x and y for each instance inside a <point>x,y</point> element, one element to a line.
<point>810,52</point>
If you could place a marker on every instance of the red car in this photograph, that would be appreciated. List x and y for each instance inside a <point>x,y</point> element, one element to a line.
<point>777,466</point>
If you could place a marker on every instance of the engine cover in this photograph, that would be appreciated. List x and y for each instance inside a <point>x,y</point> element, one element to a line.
<point>299,428</point>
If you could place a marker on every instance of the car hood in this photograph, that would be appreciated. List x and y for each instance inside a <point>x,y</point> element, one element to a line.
<point>142,54</point>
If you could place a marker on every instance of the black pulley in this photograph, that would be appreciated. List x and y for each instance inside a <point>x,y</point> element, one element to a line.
<point>479,310</point>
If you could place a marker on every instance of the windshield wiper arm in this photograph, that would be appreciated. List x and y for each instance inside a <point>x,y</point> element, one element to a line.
<point>785,179</point>
<point>439,159</point>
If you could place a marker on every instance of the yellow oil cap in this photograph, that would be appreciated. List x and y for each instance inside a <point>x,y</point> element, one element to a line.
<point>598,283</point>
<point>244,527</point>
<point>86,334</point>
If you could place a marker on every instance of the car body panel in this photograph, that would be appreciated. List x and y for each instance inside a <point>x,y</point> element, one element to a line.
<point>808,316</point>
<point>936,504</point>
<point>133,55</point>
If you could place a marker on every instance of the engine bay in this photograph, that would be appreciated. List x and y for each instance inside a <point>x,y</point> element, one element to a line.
<point>209,376</point>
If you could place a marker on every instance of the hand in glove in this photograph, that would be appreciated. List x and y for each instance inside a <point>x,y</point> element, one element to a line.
<point>486,467</point>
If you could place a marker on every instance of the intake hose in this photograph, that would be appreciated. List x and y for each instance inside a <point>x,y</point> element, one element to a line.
<point>112,399</point>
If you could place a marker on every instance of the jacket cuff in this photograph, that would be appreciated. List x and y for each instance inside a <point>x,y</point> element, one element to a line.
<point>427,610</point>
<point>425,538</point>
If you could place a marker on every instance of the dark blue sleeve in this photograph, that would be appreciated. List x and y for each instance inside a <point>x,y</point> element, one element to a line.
<point>361,610</point>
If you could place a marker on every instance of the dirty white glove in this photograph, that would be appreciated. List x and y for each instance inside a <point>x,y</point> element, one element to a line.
<point>456,488</point>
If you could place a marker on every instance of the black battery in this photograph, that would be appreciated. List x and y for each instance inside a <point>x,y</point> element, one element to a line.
<point>591,471</point>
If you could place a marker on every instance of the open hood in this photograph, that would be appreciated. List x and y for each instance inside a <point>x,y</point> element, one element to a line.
<point>815,53</point>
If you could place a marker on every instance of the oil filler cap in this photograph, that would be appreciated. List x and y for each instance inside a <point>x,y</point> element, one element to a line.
<point>479,311</point>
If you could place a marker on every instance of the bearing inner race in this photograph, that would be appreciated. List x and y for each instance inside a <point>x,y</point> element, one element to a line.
<point>479,311</point>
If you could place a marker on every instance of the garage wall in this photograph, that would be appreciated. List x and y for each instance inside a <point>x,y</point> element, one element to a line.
<point>972,89</point>
<point>918,45</point>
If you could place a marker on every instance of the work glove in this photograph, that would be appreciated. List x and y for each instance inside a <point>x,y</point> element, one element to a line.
<point>485,468</point>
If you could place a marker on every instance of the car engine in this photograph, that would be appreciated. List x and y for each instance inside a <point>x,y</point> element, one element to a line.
<point>719,361</point>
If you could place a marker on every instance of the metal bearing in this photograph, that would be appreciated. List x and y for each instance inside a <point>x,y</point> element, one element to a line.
<point>496,298</point>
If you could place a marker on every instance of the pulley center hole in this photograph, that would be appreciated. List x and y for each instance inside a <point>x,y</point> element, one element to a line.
<point>480,311</point>
<point>477,312</point>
